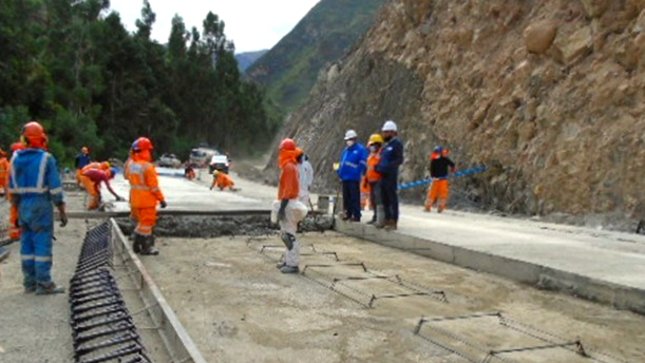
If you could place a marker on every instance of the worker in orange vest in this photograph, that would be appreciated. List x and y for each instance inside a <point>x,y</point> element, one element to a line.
<point>222,181</point>
<point>4,172</point>
<point>144,195</point>
<point>373,178</point>
<point>94,197</point>
<point>14,228</point>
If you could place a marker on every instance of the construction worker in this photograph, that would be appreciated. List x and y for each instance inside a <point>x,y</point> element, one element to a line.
<point>290,210</point>
<point>388,167</point>
<point>189,171</point>
<point>14,228</point>
<point>144,196</point>
<point>96,176</point>
<point>222,181</point>
<point>306,175</point>
<point>4,172</point>
<point>35,184</point>
<point>373,178</point>
<point>81,161</point>
<point>352,166</point>
<point>94,199</point>
<point>440,166</point>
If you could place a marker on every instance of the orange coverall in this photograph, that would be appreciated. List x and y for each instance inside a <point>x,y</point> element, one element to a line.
<point>14,232</point>
<point>94,196</point>
<point>144,194</point>
<point>4,174</point>
<point>223,181</point>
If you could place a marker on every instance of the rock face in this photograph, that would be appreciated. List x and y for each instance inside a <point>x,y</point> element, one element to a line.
<point>561,126</point>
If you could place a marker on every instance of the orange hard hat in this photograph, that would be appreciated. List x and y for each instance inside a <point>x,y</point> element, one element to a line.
<point>142,143</point>
<point>17,146</point>
<point>34,133</point>
<point>287,144</point>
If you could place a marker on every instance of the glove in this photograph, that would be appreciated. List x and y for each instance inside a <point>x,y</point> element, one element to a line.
<point>163,204</point>
<point>282,215</point>
<point>63,215</point>
<point>120,198</point>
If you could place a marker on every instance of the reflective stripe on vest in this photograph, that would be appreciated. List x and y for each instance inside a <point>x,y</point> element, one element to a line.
<point>40,187</point>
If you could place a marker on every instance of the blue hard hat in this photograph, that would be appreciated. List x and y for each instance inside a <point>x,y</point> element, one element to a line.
<point>438,149</point>
<point>113,172</point>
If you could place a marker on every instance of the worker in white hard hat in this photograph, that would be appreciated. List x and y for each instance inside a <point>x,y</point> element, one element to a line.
<point>352,167</point>
<point>388,167</point>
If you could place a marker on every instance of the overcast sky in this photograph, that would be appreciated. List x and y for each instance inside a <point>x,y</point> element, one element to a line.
<point>251,24</point>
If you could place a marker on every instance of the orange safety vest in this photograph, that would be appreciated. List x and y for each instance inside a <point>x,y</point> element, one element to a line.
<point>4,171</point>
<point>144,186</point>
<point>372,161</point>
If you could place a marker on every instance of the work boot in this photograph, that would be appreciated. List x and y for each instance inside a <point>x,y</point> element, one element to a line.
<point>390,225</point>
<point>149,248</point>
<point>139,243</point>
<point>289,269</point>
<point>440,210</point>
<point>48,288</point>
<point>30,287</point>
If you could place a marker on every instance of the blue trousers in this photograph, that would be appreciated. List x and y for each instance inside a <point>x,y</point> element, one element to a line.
<point>37,225</point>
<point>390,198</point>
<point>36,253</point>
<point>352,199</point>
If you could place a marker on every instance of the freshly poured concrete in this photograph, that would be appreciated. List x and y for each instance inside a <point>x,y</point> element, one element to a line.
<point>238,307</point>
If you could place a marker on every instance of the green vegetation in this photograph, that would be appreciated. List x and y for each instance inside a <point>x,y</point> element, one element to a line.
<point>73,66</point>
<point>290,69</point>
<point>245,59</point>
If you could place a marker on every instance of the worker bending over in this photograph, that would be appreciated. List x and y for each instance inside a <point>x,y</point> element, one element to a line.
<point>35,184</point>
<point>291,210</point>
<point>94,197</point>
<point>222,181</point>
<point>144,196</point>
<point>96,177</point>
<point>440,166</point>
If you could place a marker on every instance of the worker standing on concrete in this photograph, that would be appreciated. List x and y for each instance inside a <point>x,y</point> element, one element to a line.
<point>35,184</point>
<point>373,179</point>
<point>222,181</point>
<point>440,166</point>
<point>96,177</point>
<point>306,173</point>
<point>291,210</point>
<point>144,196</point>
<point>14,225</point>
<point>388,167</point>
<point>82,160</point>
<point>4,172</point>
<point>352,167</point>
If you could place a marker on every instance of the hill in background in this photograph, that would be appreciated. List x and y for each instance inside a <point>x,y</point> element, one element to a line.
<point>290,69</point>
<point>246,59</point>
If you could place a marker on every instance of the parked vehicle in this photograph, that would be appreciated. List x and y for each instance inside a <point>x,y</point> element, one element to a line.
<point>219,162</point>
<point>169,161</point>
<point>201,156</point>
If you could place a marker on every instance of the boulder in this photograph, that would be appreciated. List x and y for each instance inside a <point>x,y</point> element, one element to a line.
<point>539,36</point>
<point>577,44</point>
<point>595,8</point>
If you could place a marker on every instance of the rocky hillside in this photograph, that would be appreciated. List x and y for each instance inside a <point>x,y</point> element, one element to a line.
<point>289,70</point>
<point>550,95</point>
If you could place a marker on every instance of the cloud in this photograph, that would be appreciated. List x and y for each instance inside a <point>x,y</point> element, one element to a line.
<point>250,24</point>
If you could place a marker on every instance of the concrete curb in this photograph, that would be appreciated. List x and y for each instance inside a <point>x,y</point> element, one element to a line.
<point>618,296</point>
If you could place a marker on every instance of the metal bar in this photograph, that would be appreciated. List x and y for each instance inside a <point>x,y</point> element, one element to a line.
<point>176,340</point>
<point>535,347</point>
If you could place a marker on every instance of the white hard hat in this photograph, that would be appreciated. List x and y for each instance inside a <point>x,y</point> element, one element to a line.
<point>389,126</point>
<point>350,134</point>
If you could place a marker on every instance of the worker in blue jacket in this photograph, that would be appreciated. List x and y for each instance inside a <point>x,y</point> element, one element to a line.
<point>352,167</point>
<point>35,185</point>
<point>391,159</point>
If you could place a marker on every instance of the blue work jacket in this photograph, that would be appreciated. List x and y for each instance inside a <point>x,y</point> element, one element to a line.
<point>353,163</point>
<point>391,159</point>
